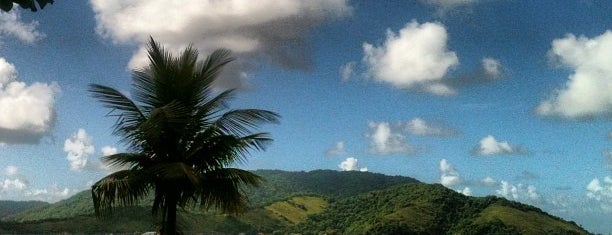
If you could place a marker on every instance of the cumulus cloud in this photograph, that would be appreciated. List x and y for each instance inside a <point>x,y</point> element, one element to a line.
<point>11,25</point>
<point>588,90</point>
<point>601,191</point>
<point>108,150</point>
<point>385,140</point>
<point>79,146</point>
<point>12,184</point>
<point>17,187</point>
<point>51,194</point>
<point>415,57</point>
<point>269,29</point>
<point>467,191</point>
<point>27,112</point>
<point>449,177</point>
<point>351,164</point>
<point>338,149</point>
<point>420,127</point>
<point>488,181</point>
<point>520,192</point>
<point>14,181</point>
<point>490,146</point>
<point>491,68</point>
<point>347,70</point>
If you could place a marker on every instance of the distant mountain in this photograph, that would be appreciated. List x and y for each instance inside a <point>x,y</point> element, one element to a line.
<point>325,201</point>
<point>13,207</point>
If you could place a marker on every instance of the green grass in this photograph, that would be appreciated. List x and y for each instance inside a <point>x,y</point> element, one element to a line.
<point>296,209</point>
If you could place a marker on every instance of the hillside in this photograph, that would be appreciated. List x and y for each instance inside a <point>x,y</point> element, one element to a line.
<point>319,201</point>
<point>279,185</point>
<point>431,209</point>
<point>13,207</point>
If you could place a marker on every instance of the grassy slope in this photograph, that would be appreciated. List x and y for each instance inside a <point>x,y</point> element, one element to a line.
<point>295,210</point>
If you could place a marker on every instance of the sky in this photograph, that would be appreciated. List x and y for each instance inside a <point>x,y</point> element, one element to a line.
<point>487,97</point>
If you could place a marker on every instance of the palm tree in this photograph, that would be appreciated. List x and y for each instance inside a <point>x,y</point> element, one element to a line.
<point>181,139</point>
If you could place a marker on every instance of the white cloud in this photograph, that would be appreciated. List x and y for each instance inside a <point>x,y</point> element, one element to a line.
<point>12,184</point>
<point>79,146</point>
<point>338,149</point>
<point>488,181</point>
<point>108,150</point>
<point>252,29</point>
<point>351,164</point>
<point>27,113</point>
<point>601,191</point>
<point>385,140</point>
<point>50,194</point>
<point>520,192</point>
<point>588,91</point>
<point>420,127</point>
<point>491,68</point>
<point>466,191</point>
<point>416,57</point>
<point>490,146</point>
<point>11,25</point>
<point>11,170</point>
<point>14,181</point>
<point>347,70</point>
<point>449,177</point>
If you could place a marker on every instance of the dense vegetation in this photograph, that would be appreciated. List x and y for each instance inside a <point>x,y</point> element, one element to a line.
<point>431,209</point>
<point>318,201</point>
<point>12,207</point>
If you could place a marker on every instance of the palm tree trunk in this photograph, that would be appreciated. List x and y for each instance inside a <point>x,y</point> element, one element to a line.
<point>169,226</point>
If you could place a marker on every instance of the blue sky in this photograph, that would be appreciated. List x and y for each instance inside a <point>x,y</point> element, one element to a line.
<point>488,97</point>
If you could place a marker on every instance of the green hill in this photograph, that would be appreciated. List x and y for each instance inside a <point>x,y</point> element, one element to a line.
<point>313,202</point>
<point>431,209</point>
<point>12,207</point>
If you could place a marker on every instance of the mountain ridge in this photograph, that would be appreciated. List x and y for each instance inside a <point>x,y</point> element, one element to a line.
<point>326,201</point>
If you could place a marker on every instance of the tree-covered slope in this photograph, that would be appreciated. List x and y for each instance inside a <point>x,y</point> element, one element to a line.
<point>318,201</point>
<point>279,185</point>
<point>12,207</point>
<point>431,209</point>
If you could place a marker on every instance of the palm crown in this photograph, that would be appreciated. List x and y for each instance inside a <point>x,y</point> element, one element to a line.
<point>181,139</point>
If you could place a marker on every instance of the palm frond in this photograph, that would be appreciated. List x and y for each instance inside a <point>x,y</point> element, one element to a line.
<point>127,159</point>
<point>242,121</point>
<point>212,66</point>
<point>207,110</point>
<point>224,189</point>
<point>143,90</point>
<point>177,172</point>
<point>171,117</point>
<point>122,188</point>
<point>223,150</point>
<point>128,114</point>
